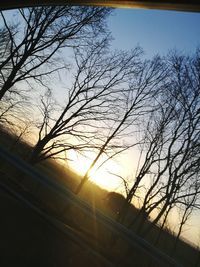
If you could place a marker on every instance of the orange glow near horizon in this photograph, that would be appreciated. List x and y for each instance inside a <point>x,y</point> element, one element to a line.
<point>103,176</point>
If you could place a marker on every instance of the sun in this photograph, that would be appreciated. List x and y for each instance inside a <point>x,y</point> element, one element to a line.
<point>103,176</point>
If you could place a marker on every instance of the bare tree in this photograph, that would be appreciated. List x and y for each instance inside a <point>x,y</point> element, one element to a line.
<point>182,180</point>
<point>33,47</point>
<point>9,103</point>
<point>92,103</point>
<point>171,143</point>
<point>142,87</point>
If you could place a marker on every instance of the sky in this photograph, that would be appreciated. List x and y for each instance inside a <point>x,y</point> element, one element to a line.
<point>155,31</point>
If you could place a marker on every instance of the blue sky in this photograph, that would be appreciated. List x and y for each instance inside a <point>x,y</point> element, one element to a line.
<point>156,31</point>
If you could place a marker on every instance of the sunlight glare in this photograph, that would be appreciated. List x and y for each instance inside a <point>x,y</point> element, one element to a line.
<point>104,176</point>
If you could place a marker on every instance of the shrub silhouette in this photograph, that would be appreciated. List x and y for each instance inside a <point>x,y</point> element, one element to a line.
<point>115,201</point>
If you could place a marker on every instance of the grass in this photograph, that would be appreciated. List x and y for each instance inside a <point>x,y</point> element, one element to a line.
<point>94,232</point>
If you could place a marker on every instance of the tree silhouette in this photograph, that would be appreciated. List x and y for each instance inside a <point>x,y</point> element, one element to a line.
<point>139,98</point>
<point>171,143</point>
<point>93,102</point>
<point>31,52</point>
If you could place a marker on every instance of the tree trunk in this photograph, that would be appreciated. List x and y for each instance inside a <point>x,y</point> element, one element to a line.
<point>155,221</point>
<point>162,226</point>
<point>36,153</point>
<point>79,187</point>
